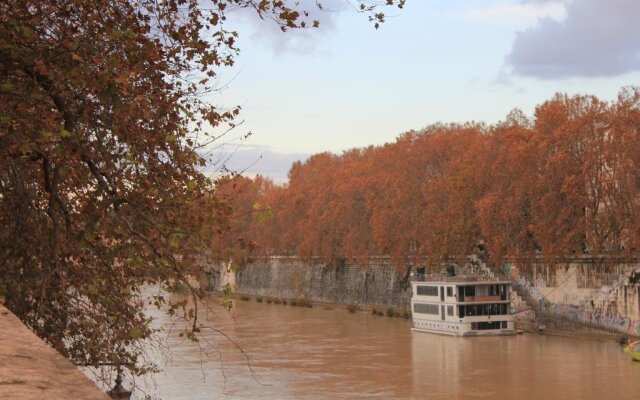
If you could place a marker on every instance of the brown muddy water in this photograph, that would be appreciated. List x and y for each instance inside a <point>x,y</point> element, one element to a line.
<point>316,353</point>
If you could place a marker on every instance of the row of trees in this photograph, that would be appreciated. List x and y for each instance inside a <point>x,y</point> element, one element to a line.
<point>103,122</point>
<point>564,182</point>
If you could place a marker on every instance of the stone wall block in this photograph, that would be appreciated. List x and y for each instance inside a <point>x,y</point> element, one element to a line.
<point>338,282</point>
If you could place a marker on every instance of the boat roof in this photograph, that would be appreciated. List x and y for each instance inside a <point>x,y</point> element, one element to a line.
<point>461,280</point>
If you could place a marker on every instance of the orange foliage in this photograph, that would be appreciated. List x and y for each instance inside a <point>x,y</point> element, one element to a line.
<point>566,182</point>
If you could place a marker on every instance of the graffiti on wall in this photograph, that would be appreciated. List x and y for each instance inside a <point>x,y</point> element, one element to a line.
<point>588,314</point>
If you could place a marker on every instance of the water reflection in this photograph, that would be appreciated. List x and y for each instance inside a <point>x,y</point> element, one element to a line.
<point>301,353</point>
<point>522,367</point>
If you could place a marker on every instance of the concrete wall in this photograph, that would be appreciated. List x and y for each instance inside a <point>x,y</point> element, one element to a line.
<point>289,277</point>
<point>591,291</point>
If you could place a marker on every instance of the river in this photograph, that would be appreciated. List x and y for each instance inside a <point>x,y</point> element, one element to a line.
<point>320,353</point>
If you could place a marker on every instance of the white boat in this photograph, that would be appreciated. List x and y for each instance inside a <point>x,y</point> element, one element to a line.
<point>462,306</point>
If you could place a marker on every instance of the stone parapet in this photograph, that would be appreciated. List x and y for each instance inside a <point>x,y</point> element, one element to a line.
<point>30,369</point>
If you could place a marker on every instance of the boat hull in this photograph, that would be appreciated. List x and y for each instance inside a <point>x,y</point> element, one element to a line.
<point>455,328</point>
<point>505,332</point>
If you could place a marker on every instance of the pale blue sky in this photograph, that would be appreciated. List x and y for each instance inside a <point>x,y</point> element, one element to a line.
<point>347,85</point>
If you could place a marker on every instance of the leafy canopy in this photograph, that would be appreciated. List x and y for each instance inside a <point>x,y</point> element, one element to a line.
<point>101,191</point>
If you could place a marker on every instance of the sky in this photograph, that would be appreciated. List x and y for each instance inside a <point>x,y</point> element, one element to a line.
<point>347,85</point>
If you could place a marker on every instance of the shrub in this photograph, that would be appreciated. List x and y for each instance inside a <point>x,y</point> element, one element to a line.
<point>259,299</point>
<point>391,312</point>
<point>294,302</point>
<point>269,300</point>
<point>277,300</point>
<point>304,303</point>
<point>352,307</point>
<point>376,311</point>
<point>405,314</point>
<point>244,297</point>
<point>284,302</point>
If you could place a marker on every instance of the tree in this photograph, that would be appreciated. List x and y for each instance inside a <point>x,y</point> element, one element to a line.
<point>451,189</point>
<point>563,183</point>
<point>101,189</point>
<point>624,196</point>
<point>397,198</point>
<point>505,211</point>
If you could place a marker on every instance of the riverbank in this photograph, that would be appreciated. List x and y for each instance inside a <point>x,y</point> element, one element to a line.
<point>32,370</point>
<point>551,327</point>
<point>555,327</point>
<point>380,310</point>
<point>598,295</point>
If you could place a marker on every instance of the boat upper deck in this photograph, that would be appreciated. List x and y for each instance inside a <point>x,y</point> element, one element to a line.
<point>461,289</point>
<point>458,280</point>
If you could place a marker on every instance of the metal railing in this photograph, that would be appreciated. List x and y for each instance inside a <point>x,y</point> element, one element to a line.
<point>459,278</point>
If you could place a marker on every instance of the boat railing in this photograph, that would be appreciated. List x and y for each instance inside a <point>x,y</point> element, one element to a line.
<point>458,278</point>
<point>470,299</point>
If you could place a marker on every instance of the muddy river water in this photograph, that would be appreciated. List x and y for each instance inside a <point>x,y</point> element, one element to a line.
<point>318,353</point>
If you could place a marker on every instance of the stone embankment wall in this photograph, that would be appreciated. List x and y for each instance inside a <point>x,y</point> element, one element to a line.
<point>595,292</point>
<point>30,369</point>
<point>289,277</point>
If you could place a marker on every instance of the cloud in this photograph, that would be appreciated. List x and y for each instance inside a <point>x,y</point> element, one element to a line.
<point>597,38</point>
<point>251,160</point>
<point>516,15</point>
<point>295,40</point>
<point>503,79</point>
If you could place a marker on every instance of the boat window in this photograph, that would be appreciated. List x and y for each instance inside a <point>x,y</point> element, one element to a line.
<point>482,309</point>
<point>427,290</point>
<point>421,308</point>
<point>450,311</point>
<point>449,291</point>
<point>487,325</point>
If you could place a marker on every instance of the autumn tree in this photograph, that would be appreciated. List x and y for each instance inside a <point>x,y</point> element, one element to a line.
<point>505,209</point>
<point>310,191</point>
<point>624,194</point>
<point>397,201</point>
<point>451,189</point>
<point>102,117</point>
<point>246,213</point>
<point>563,182</point>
